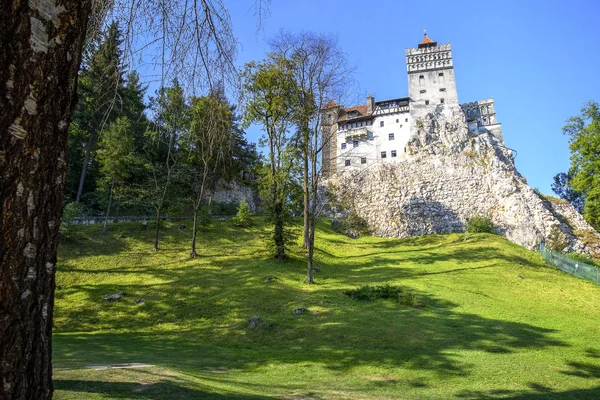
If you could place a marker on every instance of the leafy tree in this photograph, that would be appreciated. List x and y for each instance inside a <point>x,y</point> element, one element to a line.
<point>562,187</point>
<point>584,142</point>
<point>269,87</point>
<point>321,72</point>
<point>115,157</point>
<point>242,218</point>
<point>210,142</point>
<point>163,148</point>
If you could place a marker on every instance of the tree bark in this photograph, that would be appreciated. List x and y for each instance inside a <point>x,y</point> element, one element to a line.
<point>197,204</point>
<point>40,53</point>
<point>110,196</point>
<point>306,155</point>
<point>158,209</point>
<point>84,167</point>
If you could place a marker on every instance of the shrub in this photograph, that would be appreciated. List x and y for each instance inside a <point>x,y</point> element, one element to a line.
<point>480,225</point>
<point>204,218</point>
<point>70,211</point>
<point>242,218</point>
<point>557,240</point>
<point>400,294</point>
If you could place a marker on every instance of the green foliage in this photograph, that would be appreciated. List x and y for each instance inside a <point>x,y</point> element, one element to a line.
<point>70,211</point>
<point>269,88</point>
<point>116,151</point>
<point>584,258</point>
<point>584,142</point>
<point>480,224</point>
<point>242,218</point>
<point>204,217</point>
<point>403,295</point>
<point>557,240</point>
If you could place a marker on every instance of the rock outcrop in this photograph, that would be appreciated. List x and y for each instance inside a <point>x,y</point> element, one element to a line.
<point>450,175</point>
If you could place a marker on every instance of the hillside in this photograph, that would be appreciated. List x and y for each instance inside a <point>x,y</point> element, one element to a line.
<point>495,321</point>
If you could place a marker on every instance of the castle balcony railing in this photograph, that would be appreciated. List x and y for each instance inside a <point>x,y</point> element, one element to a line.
<point>361,132</point>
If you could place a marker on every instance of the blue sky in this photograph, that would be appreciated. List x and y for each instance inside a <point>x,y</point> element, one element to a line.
<point>540,60</point>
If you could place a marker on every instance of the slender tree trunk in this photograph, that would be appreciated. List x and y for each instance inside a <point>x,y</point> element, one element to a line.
<point>40,52</point>
<point>311,252</point>
<point>306,192</point>
<point>84,167</point>
<point>158,209</point>
<point>279,234</point>
<point>110,196</point>
<point>197,204</point>
<point>193,254</point>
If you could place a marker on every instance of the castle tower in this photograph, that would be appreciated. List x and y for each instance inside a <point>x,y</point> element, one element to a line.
<point>431,74</point>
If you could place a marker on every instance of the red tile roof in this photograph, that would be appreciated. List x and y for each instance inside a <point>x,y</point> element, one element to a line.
<point>426,39</point>
<point>361,109</point>
<point>330,104</point>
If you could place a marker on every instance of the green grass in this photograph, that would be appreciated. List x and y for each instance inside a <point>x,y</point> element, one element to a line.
<point>496,322</point>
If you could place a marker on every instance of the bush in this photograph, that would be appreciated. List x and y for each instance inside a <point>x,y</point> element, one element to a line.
<point>70,211</point>
<point>242,218</point>
<point>400,294</point>
<point>557,240</point>
<point>480,225</point>
<point>204,219</point>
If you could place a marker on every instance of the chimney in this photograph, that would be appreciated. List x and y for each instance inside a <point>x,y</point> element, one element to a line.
<point>370,104</point>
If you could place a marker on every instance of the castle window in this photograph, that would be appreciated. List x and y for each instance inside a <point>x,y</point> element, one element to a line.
<point>426,102</point>
<point>397,120</point>
<point>405,119</point>
<point>441,74</point>
<point>383,155</point>
<point>441,101</point>
<point>355,143</point>
<point>442,89</point>
<point>363,160</point>
<point>347,163</point>
<point>421,80</point>
<point>391,136</point>
<point>423,91</point>
<point>393,153</point>
<point>343,146</point>
<point>381,123</point>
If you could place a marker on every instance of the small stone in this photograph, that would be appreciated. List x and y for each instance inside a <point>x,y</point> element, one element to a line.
<point>300,310</point>
<point>139,301</point>
<point>254,322</point>
<point>115,297</point>
<point>270,278</point>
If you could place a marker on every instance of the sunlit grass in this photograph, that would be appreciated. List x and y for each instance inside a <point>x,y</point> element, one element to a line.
<point>497,322</point>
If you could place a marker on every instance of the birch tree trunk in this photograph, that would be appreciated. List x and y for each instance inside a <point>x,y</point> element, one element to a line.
<point>40,53</point>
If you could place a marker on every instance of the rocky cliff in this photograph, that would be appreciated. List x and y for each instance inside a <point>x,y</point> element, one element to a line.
<point>451,175</point>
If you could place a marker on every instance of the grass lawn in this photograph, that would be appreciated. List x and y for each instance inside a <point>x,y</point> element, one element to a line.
<point>496,322</point>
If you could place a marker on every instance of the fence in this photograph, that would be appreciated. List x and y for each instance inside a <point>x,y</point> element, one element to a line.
<point>92,220</point>
<point>570,266</point>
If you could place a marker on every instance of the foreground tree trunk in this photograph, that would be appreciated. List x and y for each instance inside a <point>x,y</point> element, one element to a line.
<point>40,53</point>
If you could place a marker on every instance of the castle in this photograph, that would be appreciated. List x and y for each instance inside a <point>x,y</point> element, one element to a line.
<point>427,164</point>
<point>378,131</point>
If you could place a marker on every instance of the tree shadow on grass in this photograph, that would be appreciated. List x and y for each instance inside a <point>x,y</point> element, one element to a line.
<point>539,391</point>
<point>164,389</point>
<point>349,335</point>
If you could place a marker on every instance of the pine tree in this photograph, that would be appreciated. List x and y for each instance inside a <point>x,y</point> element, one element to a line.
<point>101,94</point>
